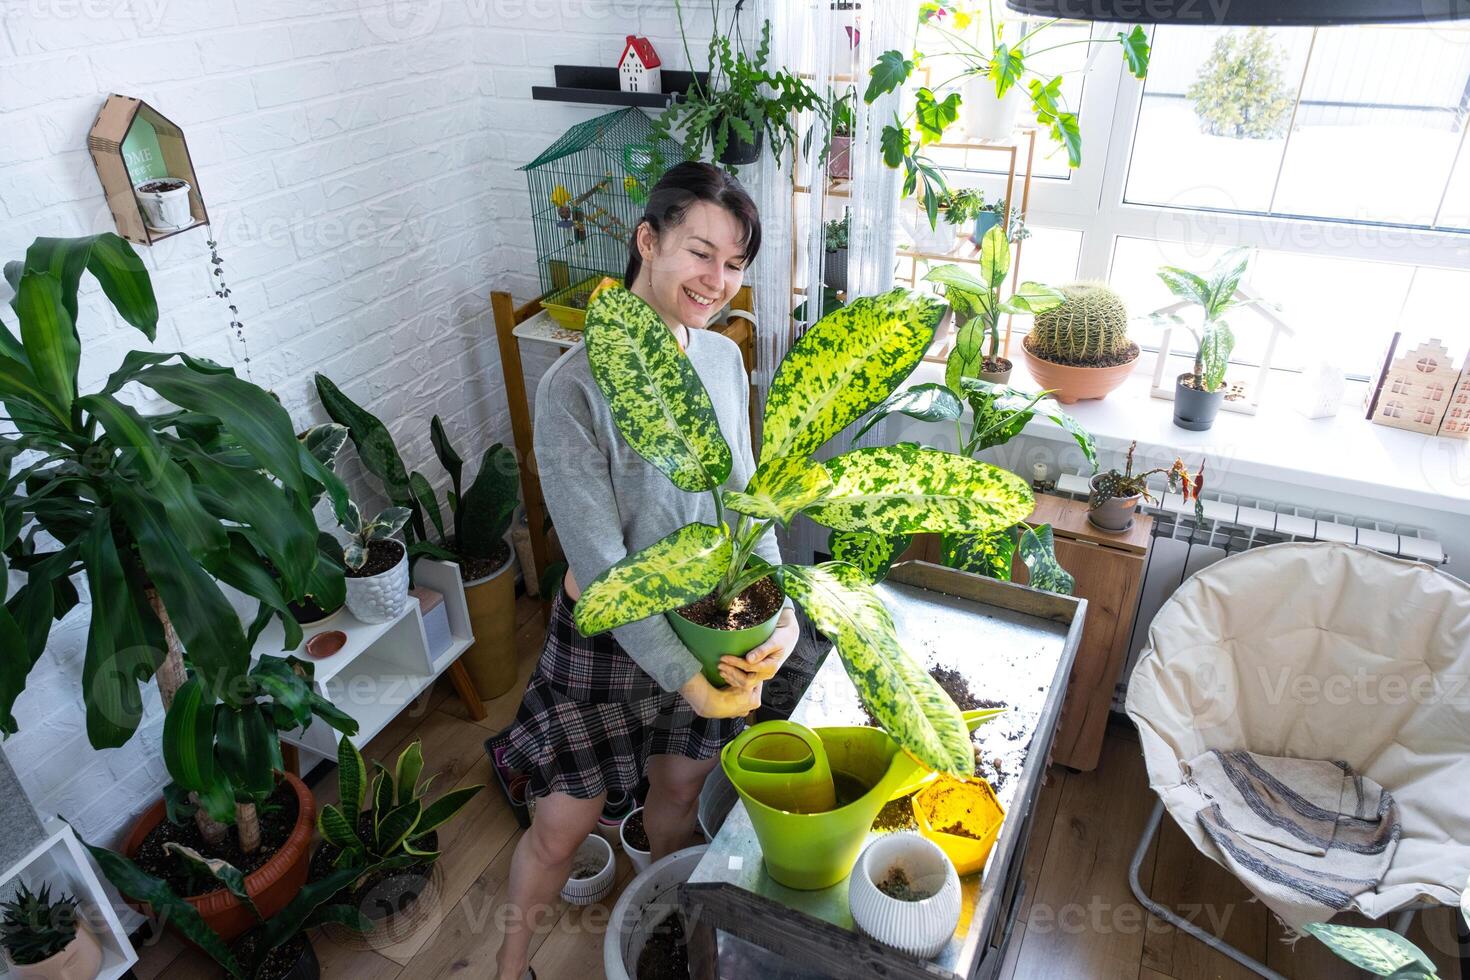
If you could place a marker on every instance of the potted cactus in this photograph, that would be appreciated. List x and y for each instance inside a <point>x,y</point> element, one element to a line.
<point>46,939</point>
<point>377,566</point>
<point>1199,392</point>
<point>1115,495</point>
<point>1080,348</point>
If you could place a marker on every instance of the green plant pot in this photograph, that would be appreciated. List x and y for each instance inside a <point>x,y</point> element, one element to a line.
<point>810,851</point>
<point>783,765</point>
<point>709,645</point>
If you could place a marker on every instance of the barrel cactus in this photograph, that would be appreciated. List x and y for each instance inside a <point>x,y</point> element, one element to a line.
<point>1090,329</point>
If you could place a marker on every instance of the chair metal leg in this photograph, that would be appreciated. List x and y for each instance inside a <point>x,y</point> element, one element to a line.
<point>1214,942</point>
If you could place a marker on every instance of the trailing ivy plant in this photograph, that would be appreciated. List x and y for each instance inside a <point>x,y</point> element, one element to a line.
<point>155,512</point>
<point>847,363</point>
<point>1000,59</point>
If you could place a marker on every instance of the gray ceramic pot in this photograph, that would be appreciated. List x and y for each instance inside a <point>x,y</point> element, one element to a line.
<point>835,270</point>
<point>1114,514</point>
<point>1194,409</point>
<point>1001,377</point>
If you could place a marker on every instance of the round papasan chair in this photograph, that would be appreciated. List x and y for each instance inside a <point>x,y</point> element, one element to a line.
<point>1319,651</point>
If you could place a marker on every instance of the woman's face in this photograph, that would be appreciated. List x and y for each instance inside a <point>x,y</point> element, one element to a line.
<point>692,270</point>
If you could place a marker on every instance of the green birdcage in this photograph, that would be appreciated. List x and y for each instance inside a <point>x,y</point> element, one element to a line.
<point>588,190</point>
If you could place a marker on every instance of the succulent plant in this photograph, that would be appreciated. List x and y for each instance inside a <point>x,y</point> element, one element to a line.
<point>35,928</point>
<point>1089,329</point>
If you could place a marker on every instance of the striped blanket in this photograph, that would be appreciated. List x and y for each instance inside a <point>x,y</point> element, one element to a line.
<point>1306,836</point>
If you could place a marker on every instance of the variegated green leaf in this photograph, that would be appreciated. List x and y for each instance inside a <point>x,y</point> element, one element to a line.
<point>406,773</point>
<point>221,870</point>
<point>1040,555</point>
<point>848,362</point>
<point>669,573</point>
<point>655,396</point>
<point>871,553</point>
<point>981,554</point>
<point>1379,951</point>
<point>904,489</point>
<point>928,402</point>
<point>781,488</point>
<point>895,688</point>
<point>336,829</point>
<point>1001,412</point>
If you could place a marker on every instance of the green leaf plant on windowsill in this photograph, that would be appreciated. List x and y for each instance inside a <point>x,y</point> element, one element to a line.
<point>843,366</point>
<point>998,413</point>
<point>998,60</point>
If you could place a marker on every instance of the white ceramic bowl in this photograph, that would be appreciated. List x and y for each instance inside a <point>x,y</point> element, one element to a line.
<point>920,928</point>
<point>379,598</point>
<point>640,859</point>
<point>586,891</point>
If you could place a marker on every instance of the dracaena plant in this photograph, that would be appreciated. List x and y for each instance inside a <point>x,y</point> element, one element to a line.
<point>998,413</point>
<point>361,534</point>
<point>1216,293</point>
<point>155,511</point>
<point>845,364</point>
<point>999,55</point>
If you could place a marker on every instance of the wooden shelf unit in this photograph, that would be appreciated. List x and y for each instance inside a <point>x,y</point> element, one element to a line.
<point>108,144</point>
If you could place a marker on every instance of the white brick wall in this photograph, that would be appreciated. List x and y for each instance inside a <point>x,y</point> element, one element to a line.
<point>358,160</point>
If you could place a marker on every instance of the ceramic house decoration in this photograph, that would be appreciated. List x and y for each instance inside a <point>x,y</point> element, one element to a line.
<point>1456,424</point>
<point>1415,387</point>
<point>639,68</point>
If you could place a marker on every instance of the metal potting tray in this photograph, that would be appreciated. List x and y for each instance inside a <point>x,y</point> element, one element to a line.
<point>1013,645</point>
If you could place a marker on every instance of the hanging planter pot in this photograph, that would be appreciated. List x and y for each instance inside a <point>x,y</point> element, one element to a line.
<point>165,203</point>
<point>1194,408</point>
<point>985,116</point>
<point>737,151</point>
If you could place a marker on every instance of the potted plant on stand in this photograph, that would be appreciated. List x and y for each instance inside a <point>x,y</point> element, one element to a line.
<point>1115,495</point>
<point>156,511</point>
<point>45,939</point>
<point>1199,392</point>
<point>844,365</point>
<point>956,208</point>
<point>995,214</point>
<point>839,159</point>
<point>1080,347</point>
<point>377,566</point>
<point>834,266</point>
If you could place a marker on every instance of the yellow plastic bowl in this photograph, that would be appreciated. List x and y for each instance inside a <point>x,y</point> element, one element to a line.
<point>568,306</point>
<point>969,802</point>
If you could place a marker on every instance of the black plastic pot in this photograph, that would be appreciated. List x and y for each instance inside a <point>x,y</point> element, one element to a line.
<point>303,963</point>
<point>738,151</point>
<point>1195,409</point>
<point>834,271</point>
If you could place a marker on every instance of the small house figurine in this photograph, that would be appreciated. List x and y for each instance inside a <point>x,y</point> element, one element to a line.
<point>638,69</point>
<point>1456,423</point>
<point>1414,388</point>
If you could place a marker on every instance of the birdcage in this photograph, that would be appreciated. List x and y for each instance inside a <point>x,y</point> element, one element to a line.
<point>588,190</point>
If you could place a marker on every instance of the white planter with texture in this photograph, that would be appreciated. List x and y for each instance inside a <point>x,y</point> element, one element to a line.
<point>379,598</point>
<point>923,927</point>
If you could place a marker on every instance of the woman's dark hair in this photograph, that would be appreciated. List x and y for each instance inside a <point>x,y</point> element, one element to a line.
<point>682,186</point>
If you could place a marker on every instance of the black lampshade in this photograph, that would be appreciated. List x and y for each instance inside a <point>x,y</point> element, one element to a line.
<point>1245,13</point>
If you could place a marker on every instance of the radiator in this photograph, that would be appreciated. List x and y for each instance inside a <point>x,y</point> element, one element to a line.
<point>1182,545</point>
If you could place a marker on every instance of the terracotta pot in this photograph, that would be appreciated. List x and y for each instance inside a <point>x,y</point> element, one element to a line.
<point>491,661</point>
<point>1074,384</point>
<point>80,960</point>
<point>271,886</point>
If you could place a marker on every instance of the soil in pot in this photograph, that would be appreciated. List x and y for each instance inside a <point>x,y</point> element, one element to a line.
<point>474,569</point>
<point>848,788</point>
<point>277,819</point>
<point>896,884</point>
<point>665,954</point>
<point>280,963</point>
<point>309,611</point>
<point>381,893</point>
<point>633,830</point>
<point>754,606</point>
<point>383,556</point>
<point>960,830</point>
<point>162,186</point>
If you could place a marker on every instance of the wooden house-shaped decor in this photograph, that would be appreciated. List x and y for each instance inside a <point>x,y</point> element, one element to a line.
<point>639,69</point>
<point>1456,424</point>
<point>131,143</point>
<point>1415,387</point>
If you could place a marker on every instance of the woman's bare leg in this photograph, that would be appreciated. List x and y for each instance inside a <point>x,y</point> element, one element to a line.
<point>674,782</point>
<point>538,869</point>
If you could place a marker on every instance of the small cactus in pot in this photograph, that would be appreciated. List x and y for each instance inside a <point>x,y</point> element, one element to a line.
<point>1080,348</point>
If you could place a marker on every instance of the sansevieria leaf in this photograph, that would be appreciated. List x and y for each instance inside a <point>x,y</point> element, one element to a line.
<point>336,829</point>
<point>351,775</point>
<point>904,489</point>
<point>669,573</point>
<point>655,395</point>
<point>406,772</point>
<point>848,362</point>
<point>781,488</point>
<point>1379,951</point>
<point>895,688</point>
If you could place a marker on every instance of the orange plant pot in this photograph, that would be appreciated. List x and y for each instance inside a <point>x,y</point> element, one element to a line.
<point>270,886</point>
<point>1074,384</point>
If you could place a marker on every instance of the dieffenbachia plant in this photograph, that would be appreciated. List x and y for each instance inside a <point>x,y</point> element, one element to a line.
<point>848,362</point>
<point>1215,293</point>
<point>998,413</point>
<point>1382,952</point>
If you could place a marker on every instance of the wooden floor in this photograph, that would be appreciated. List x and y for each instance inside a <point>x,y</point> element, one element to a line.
<point>1079,919</point>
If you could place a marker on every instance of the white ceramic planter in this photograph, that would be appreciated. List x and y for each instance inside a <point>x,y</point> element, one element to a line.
<point>921,928</point>
<point>164,210</point>
<point>985,116</point>
<point>588,891</point>
<point>379,598</point>
<point>645,902</point>
<point>610,828</point>
<point>937,240</point>
<point>640,859</point>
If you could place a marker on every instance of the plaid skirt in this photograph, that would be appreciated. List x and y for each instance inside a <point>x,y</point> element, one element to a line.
<point>591,717</point>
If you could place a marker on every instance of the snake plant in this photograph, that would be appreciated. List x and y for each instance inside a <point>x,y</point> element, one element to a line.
<point>848,362</point>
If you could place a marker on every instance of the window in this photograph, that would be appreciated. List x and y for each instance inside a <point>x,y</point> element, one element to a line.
<point>1401,386</point>
<point>1425,415</point>
<point>1393,410</point>
<point>1434,392</point>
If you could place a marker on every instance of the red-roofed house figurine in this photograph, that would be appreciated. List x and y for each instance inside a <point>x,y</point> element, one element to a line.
<point>639,68</point>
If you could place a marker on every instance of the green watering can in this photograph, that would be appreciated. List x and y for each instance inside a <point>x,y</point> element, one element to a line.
<point>864,766</point>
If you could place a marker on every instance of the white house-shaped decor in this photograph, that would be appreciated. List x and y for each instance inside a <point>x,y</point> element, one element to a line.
<point>1250,401</point>
<point>1416,388</point>
<point>1456,424</point>
<point>639,68</point>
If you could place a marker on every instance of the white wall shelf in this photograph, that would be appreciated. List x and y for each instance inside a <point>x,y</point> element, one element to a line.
<point>61,861</point>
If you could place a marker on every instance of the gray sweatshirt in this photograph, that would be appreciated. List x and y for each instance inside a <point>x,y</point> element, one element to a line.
<point>608,502</point>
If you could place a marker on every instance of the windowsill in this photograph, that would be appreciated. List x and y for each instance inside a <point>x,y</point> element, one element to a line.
<point>1346,453</point>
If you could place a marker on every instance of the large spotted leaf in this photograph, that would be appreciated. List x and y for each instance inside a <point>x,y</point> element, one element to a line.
<point>672,572</point>
<point>981,554</point>
<point>848,362</point>
<point>872,554</point>
<point>656,398</point>
<point>781,488</point>
<point>895,688</point>
<point>904,489</point>
<point>1038,551</point>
